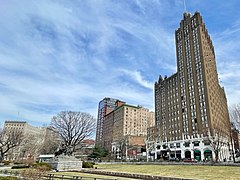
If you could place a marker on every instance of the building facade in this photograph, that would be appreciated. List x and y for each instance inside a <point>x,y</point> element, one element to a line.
<point>126,129</point>
<point>33,138</point>
<point>105,106</point>
<point>191,106</point>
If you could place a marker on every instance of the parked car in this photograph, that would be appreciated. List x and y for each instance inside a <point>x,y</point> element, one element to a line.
<point>190,160</point>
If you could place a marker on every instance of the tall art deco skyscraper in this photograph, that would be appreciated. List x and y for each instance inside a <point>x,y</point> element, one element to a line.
<point>191,104</point>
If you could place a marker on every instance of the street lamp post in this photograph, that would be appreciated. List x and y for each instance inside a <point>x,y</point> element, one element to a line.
<point>175,152</point>
<point>193,150</point>
<point>169,151</point>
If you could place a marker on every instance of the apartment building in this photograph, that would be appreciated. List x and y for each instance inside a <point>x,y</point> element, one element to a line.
<point>105,106</point>
<point>126,127</point>
<point>191,106</point>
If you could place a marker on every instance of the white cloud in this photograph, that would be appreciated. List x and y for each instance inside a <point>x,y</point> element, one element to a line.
<point>136,76</point>
<point>58,55</point>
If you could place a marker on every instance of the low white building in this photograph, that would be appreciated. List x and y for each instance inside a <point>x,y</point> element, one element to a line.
<point>45,157</point>
<point>200,149</point>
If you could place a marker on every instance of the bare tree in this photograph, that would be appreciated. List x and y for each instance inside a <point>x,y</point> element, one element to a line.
<point>151,140</point>
<point>235,115</point>
<point>32,144</point>
<point>50,144</point>
<point>9,140</point>
<point>216,142</point>
<point>73,128</point>
<point>122,146</point>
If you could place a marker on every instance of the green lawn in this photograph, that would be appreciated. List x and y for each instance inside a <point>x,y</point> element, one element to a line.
<point>7,178</point>
<point>182,171</point>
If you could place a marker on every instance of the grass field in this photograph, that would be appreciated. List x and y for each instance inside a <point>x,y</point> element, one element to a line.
<point>181,171</point>
<point>7,178</point>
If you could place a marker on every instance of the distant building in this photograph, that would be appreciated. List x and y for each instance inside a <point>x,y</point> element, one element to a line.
<point>105,106</point>
<point>190,105</point>
<point>126,127</point>
<point>21,126</point>
<point>33,137</point>
<point>86,148</point>
<point>45,157</point>
<point>119,123</point>
<point>89,143</point>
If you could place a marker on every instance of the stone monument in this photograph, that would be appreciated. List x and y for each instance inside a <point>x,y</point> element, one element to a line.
<point>64,160</point>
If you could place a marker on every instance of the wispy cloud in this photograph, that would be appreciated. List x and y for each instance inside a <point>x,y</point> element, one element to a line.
<point>59,55</point>
<point>227,46</point>
<point>136,76</point>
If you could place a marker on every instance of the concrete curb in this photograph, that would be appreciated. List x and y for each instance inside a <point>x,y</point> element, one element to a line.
<point>132,175</point>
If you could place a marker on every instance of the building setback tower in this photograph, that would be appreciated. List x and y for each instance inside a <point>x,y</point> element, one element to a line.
<point>190,104</point>
<point>105,106</point>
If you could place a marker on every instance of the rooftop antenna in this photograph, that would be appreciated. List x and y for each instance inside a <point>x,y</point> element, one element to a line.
<point>185,7</point>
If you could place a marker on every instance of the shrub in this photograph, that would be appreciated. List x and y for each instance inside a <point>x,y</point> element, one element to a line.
<point>42,165</point>
<point>5,162</point>
<point>17,162</point>
<point>87,164</point>
<point>36,174</point>
<point>37,171</point>
<point>20,166</point>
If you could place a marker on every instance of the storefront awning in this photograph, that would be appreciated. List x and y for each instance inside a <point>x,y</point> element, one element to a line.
<point>207,151</point>
<point>197,151</point>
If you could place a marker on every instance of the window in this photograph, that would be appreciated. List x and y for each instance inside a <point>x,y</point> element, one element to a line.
<point>206,142</point>
<point>195,120</point>
<point>164,146</point>
<point>187,144</point>
<point>178,145</point>
<point>196,143</point>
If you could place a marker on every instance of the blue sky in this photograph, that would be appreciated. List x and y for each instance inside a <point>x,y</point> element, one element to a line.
<point>67,55</point>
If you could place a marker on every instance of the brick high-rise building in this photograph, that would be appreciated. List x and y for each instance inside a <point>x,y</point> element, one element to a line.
<point>191,105</point>
<point>105,106</point>
<point>125,127</point>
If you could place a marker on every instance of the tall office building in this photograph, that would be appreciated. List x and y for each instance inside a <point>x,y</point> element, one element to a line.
<point>33,138</point>
<point>191,105</point>
<point>105,106</point>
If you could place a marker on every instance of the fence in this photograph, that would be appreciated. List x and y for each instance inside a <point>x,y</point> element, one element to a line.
<point>9,173</point>
<point>52,176</point>
<point>66,177</point>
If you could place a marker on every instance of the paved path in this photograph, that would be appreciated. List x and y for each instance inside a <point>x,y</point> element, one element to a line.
<point>5,167</point>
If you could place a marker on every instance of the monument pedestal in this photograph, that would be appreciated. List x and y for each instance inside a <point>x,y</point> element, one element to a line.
<point>66,163</point>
